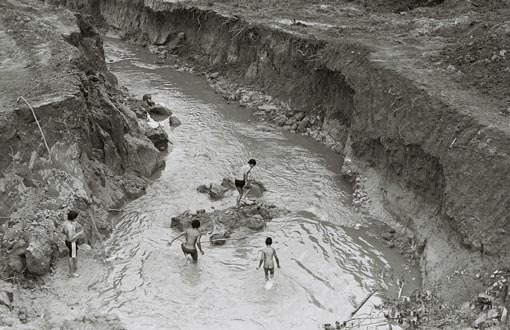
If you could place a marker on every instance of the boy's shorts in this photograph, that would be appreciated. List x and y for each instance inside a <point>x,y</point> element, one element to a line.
<point>269,270</point>
<point>70,247</point>
<point>193,252</point>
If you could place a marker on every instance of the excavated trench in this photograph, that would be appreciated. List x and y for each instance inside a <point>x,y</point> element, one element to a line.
<point>440,159</point>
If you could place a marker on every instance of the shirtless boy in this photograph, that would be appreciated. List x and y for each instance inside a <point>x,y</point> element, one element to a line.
<point>267,258</point>
<point>71,235</point>
<point>192,236</point>
<point>241,179</point>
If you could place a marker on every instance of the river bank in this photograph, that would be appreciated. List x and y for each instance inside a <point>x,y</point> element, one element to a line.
<point>72,140</point>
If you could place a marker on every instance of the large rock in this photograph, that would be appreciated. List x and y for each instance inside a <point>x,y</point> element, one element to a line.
<point>256,189</point>
<point>38,254</point>
<point>174,121</point>
<point>160,110</point>
<point>256,222</point>
<point>216,191</point>
<point>158,137</point>
<point>143,157</point>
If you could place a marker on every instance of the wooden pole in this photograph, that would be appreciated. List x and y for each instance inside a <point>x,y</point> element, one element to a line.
<point>37,121</point>
<point>363,303</point>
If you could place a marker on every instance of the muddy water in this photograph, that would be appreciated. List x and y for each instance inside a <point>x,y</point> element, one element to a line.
<point>326,268</point>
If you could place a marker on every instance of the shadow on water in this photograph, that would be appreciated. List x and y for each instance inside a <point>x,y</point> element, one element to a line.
<point>327,268</point>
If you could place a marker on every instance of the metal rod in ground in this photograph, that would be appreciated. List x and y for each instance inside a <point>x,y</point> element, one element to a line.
<point>363,303</point>
<point>37,121</point>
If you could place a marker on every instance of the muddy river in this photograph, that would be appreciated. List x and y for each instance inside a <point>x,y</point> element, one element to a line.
<point>327,268</point>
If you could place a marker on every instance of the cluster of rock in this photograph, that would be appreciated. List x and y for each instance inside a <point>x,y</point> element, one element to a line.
<point>217,191</point>
<point>266,108</point>
<point>220,224</point>
<point>171,49</point>
<point>489,307</point>
<point>360,198</point>
<point>7,316</point>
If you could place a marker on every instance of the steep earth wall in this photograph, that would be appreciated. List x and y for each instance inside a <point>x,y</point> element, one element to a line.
<point>446,157</point>
<point>98,154</point>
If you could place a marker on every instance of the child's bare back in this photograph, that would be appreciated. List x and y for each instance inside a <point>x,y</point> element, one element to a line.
<point>268,253</point>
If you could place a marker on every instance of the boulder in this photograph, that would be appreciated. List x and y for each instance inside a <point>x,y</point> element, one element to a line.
<point>217,239</point>
<point>174,121</point>
<point>16,256</point>
<point>160,110</point>
<point>256,222</point>
<point>387,236</point>
<point>290,122</point>
<point>256,189</point>
<point>303,124</point>
<point>228,183</point>
<point>142,156</point>
<point>158,137</point>
<point>133,189</point>
<point>203,189</point>
<point>280,120</point>
<point>216,191</point>
<point>148,99</point>
<point>38,254</point>
<point>482,318</point>
<point>299,116</point>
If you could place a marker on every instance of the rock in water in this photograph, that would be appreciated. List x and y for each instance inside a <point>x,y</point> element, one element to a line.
<point>256,222</point>
<point>216,191</point>
<point>160,110</point>
<point>174,121</point>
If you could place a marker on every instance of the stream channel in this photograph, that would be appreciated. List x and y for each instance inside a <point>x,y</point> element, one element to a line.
<point>327,267</point>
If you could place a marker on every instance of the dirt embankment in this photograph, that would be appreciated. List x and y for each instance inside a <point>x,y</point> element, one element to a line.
<point>94,155</point>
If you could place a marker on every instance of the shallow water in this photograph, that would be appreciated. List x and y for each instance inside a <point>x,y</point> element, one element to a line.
<point>326,267</point>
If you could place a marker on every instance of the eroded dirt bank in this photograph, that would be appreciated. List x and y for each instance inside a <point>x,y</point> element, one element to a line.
<point>95,155</point>
<point>440,149</point>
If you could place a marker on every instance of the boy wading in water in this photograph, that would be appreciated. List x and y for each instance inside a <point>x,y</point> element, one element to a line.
<point>69,230</point>
<point>241,179</point>
<point>192,236</point>
<point>267,258</point>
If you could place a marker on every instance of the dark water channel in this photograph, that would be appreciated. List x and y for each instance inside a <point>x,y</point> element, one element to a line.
<point>326,269</point>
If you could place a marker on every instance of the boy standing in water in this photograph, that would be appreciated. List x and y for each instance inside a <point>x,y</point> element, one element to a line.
<point>241,179</point>
<point>192,236</point>
<point>267,258</point>
<point>69,229</point>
